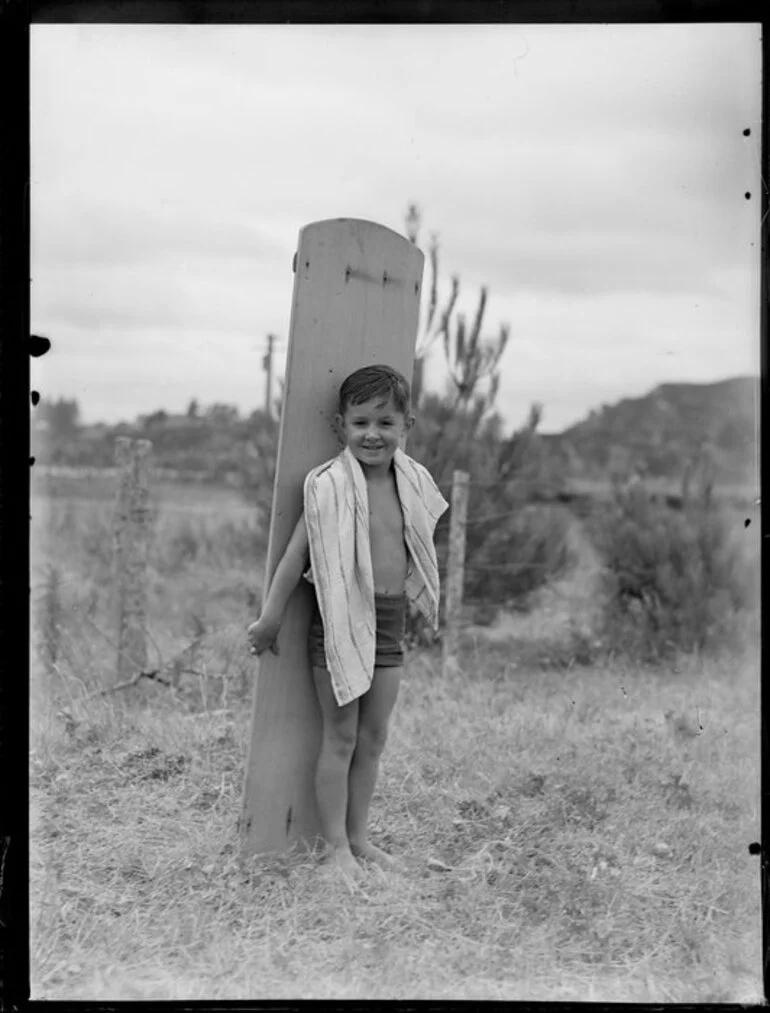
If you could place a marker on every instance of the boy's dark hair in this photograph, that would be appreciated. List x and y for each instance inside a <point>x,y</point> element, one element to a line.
<point>374,381</point>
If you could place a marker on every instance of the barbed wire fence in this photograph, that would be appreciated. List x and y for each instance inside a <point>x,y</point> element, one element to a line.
<point>132,641</point>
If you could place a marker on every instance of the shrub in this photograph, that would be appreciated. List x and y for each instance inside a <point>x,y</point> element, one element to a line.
<point>518,555</point>
<point>520,547</point>
<point>506,475</point>
<point>673,580</point>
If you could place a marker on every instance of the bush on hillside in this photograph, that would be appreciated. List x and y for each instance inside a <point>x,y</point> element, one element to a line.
<point>673,580</point>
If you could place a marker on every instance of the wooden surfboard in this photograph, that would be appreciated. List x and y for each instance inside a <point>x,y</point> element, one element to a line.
<point>356,303</point>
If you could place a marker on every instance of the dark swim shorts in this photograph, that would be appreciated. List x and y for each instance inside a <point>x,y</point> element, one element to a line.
<point>390,611</point>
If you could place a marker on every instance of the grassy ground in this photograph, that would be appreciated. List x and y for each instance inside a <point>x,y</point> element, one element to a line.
<point>550,850</point>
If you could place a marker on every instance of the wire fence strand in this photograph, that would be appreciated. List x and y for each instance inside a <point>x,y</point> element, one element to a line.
<point>55,582</point>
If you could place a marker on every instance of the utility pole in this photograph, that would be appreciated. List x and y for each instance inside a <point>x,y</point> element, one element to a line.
<point>267,363</point>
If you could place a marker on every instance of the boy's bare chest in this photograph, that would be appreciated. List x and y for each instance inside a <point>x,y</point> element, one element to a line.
<point>385,516</point>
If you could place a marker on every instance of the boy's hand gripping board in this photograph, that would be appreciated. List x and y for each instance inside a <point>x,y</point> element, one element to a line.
<point>356,303</point>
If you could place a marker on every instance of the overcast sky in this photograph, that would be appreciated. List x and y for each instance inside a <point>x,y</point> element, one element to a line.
<point>594,177</point>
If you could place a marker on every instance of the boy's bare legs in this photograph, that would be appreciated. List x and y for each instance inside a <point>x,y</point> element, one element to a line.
<point>374,711</point>
<point>340,726</point>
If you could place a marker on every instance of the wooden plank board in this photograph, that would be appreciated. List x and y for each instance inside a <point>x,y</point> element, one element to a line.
<point>355,303</point>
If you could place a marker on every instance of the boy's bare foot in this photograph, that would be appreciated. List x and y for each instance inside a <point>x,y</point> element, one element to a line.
<point>342,859</point>
<point>371,853</point>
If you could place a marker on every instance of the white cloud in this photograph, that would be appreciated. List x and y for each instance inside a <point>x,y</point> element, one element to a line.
<point>592,176</point>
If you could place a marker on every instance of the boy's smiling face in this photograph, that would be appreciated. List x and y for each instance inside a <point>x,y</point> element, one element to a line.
<point>373,430</point>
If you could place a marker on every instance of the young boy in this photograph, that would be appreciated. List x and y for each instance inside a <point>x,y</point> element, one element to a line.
<point>367,529</point>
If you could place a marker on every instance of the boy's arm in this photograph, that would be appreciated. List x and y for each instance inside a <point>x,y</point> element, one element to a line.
<point>262,634</point>
<point>293,564</point>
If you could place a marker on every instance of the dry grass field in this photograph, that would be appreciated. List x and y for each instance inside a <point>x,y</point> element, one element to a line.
<point>550,848</point>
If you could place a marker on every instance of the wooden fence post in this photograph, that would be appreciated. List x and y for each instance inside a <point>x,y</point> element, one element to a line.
<point>50,621</point>
<point>455,569</point>
<point>131,531</point>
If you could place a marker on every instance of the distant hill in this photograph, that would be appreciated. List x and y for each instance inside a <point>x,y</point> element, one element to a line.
<point>658,434</point>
